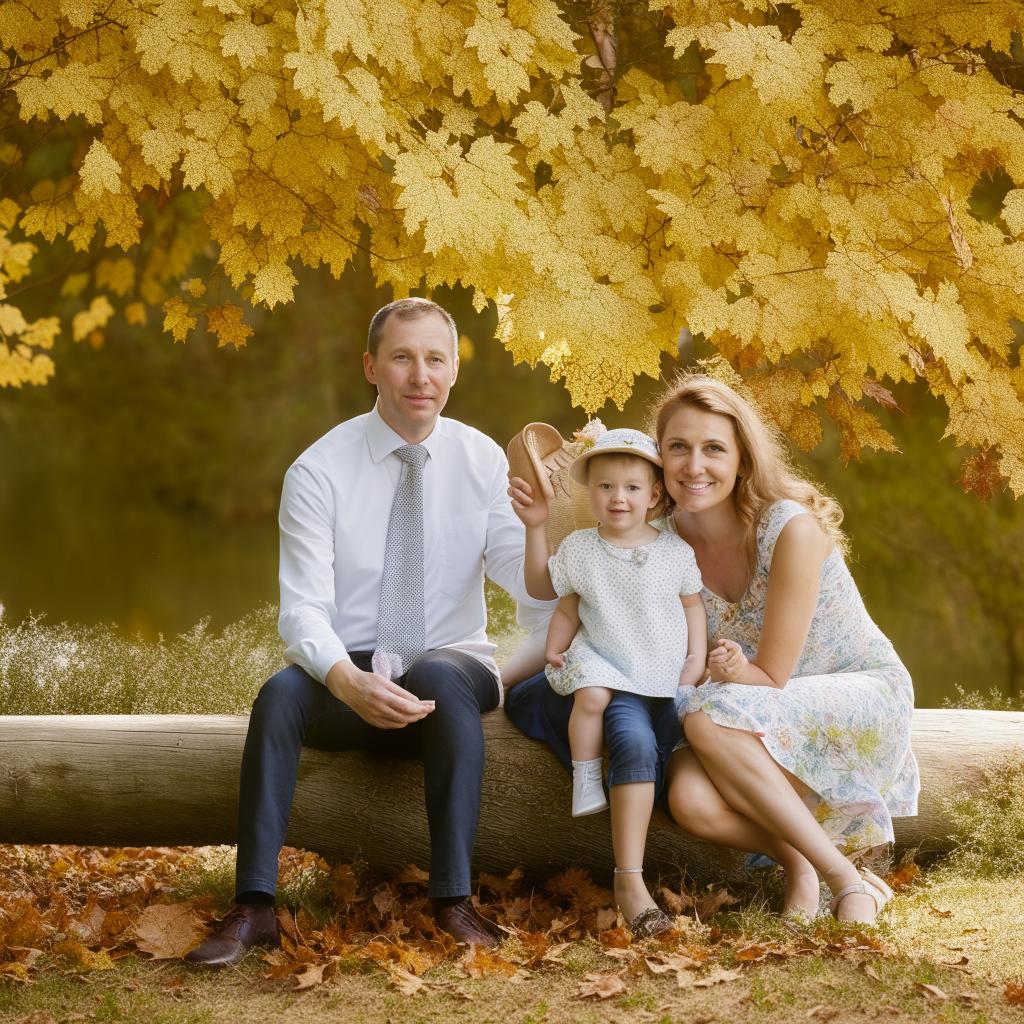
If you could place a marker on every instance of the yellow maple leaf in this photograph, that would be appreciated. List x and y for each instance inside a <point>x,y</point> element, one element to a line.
<point>135,313</point>
<point>227,324</point>
<point>177,318</point>
<point>118,276</point>
<point>273,283</point>
<point>100,172</point>
<point>88,320</point>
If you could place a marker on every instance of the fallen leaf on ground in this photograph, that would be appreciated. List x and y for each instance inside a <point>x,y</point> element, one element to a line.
<point>939,911</point>
<point>601,986</point>
<point>84,959</point>
<point>556,954</point>
<point>673,963</point>
<point>406,983</point>
<point>1014,993</point>
<point>606,919</point>
<point>903,877</point>
<point>754,952</point>
<point>676,902</point>
<point>479,962</point>
<point>313,974</point>
<point>708,904</point>
<point>618,938</point>
<point>931,991</point>
<point>166,931</point>
<point>412,874</point>
<point>870,972</point>
<point>714,978</point>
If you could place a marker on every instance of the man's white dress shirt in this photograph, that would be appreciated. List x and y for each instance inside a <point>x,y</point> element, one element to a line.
<point>334,522</point>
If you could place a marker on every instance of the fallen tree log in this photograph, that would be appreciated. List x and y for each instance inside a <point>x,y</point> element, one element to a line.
<point>173,780</point>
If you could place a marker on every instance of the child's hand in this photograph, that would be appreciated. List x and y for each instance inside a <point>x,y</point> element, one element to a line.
<point>531,509</point>
<point>556,659</point>
<point>726,661</point>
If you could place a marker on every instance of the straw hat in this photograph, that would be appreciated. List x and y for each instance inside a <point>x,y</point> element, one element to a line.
<point>542,457</point>
<point>622,441</point>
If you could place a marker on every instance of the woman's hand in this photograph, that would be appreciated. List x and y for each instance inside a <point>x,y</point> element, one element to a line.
<point>532,510</point>
<point>726,661</point>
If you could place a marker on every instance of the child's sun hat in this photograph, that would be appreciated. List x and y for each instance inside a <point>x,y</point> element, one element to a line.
<point>621,441</point>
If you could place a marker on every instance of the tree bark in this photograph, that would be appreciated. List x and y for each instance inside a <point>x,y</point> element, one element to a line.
<point>173,780</point>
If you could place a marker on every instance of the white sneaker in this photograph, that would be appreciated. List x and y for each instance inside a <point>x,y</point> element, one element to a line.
<point>588,788</point>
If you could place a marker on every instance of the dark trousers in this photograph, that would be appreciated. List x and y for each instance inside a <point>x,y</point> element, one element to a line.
<point>639,732</point>
<point>292,710</point>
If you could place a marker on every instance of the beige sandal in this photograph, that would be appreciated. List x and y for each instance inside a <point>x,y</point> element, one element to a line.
<point>870,885</point>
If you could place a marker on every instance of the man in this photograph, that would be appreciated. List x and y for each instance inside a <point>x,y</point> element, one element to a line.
<point>388,524</point>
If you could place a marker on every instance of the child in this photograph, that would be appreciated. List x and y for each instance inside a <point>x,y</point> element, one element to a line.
<point>630,616</point>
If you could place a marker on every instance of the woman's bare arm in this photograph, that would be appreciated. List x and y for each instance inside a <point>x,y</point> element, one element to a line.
<point>793,582</point>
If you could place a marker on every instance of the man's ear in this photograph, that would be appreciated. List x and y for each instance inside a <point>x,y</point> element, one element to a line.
<point>370,368</point>
<point>455,369</point>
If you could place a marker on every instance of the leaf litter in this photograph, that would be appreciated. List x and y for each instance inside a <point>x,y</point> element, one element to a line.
<point>81,909</point>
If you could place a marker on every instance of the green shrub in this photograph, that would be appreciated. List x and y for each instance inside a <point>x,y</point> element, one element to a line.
<point>92,670</point>
<point>988,822</point>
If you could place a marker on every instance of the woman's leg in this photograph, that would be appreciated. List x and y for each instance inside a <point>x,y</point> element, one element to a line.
<point>698,807</point>
<point>586,723</point>
<point>633,771</point>
<point>753,784</point>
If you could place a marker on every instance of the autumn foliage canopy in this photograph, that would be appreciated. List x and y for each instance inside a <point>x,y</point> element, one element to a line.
<point>830,193</point>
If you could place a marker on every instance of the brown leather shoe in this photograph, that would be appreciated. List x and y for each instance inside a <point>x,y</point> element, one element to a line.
<point>244,927</point>
<point>462,921</point>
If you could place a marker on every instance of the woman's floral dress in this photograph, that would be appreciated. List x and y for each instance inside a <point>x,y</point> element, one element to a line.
<point>842,723</point>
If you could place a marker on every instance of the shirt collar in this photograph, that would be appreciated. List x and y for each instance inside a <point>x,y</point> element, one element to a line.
<point>383,440</point>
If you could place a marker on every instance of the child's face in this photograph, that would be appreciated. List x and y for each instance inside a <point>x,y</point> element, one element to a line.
<point>623,489</point>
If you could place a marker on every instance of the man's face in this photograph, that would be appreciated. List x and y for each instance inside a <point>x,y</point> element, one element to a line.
<point>413,371</point>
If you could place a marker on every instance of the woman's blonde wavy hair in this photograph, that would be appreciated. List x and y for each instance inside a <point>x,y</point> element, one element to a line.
<point>766,473</point>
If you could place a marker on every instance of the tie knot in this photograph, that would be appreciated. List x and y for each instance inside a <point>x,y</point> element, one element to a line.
<point>413,455</point>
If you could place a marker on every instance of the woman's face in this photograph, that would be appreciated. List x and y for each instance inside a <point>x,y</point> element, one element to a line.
<point>701,456</point>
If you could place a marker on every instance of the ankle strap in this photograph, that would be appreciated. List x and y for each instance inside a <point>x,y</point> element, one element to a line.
<point>629,871</point>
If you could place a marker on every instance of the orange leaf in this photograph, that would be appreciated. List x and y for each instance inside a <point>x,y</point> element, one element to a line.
<point>344,884</point>
<point>166,931</point>
<point>618,938</point>
<point>601,986</point>
<point>903,876</point>
<point>412,874</point>
<point>479,962</point>
<point>1014,993</point>
<point>709,904</point>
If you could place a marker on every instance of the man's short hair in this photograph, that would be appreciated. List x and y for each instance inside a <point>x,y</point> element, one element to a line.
<point>411,308</point>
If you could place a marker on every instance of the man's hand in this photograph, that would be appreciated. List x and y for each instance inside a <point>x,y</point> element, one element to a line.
<point>726,661</point>
<point>375,699</point>
<point>531,508</point>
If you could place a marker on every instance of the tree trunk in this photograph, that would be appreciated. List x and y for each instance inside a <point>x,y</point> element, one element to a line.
<point>173,780</point>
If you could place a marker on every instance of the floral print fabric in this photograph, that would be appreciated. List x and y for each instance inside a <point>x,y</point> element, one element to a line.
<point>842,723</point>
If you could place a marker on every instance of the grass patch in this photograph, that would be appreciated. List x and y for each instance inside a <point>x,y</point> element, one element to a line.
<point>61,669</point>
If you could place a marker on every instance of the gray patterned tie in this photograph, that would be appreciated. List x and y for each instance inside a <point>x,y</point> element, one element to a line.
<point>401,629</point>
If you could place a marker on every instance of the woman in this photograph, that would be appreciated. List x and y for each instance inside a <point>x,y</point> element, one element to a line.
<point>800,742</point>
